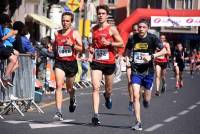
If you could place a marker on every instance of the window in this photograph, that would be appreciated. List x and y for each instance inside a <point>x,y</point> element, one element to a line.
<point>170,4</point>
<point>111,1</point>
<point>179,4</point>
<point>188,4</point>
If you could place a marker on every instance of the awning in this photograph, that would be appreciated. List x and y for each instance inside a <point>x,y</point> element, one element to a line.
<point>42,20</point>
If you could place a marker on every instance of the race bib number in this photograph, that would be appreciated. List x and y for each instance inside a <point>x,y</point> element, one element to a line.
<point>64,51</point>
<point>101,54</point>
<point>139,57</point>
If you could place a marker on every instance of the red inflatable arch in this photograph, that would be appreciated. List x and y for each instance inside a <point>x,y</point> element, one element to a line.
<point>125,26</point>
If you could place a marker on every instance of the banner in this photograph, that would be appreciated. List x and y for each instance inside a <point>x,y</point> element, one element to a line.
<point>165,21</point>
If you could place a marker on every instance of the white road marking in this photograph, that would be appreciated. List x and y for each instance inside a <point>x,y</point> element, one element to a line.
<point>170,119</point>
<point>183,112</point>
<point>154,127</point>
<point>176,92</point>
<point>53,124</point>
<point>85,93</point>
<point>41,125</point>
<point>198,103</point>
<point>16,122</point>
<point>192,107</point>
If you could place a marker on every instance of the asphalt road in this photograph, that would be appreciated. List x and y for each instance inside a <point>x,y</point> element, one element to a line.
<point>175,112</point>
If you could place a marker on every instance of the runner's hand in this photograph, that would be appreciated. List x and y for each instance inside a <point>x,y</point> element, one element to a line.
<point>147,58</point>
<point>69,42</point>
<point>105,42</point>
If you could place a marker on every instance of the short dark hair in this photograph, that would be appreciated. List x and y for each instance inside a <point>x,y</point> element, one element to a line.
<point>4,18</point>
<point>18,25</point>
<point>145,21</point>
<point>105,7</point>
<point>70,14</point>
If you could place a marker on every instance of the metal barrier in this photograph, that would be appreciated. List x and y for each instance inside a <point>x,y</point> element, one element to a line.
<point>21,95</point>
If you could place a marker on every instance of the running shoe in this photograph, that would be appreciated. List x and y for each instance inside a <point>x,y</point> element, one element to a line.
<point>137,126</point>
<point>4,83</point>
<point>72,105</point>
<point>177,86</point>
<point>163,89</point>
<point>145,104</point>
<point>108,101</point>
<point>95,121</point>
<point>10,83</point>
<point>58,116</point>
<point>157,93</point>
<point>130,107</point>
<point>181,84</point>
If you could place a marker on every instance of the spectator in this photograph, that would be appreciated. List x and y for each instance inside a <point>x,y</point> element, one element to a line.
<point>22,43</point>
<point>84,62</point>
<point>7,51</point>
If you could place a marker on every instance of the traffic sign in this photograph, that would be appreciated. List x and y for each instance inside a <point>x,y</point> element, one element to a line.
<point>73,4</point>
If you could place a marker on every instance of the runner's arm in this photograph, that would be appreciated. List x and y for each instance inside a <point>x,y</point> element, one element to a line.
<point>168,49</point>
<point>79,45</point>
<point>118,42</point>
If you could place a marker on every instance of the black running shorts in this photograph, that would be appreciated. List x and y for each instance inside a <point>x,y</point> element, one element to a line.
<point>107,69</point>
<point>163,65</point>
<point>69,67</point>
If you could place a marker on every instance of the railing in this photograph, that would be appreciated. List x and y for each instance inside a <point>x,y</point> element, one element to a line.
<point>21,95</point>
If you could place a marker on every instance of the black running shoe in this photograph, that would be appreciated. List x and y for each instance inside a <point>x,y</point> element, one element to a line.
<point>108,101</point>
<point>163,89</point>
<point>72,105</point>
<point>95,121</point>
<point>145,104</point>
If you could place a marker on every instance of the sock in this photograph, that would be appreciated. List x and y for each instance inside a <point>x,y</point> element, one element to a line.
<point>59,110</point>
<point>96,115</point>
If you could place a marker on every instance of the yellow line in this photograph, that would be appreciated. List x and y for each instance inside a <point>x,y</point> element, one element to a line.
<point>48,104</point>
<point>52,103</point>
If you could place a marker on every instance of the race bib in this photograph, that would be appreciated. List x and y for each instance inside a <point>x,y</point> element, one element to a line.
<point>101,54</point>
<point>138,57</point>
<point>64,51</point>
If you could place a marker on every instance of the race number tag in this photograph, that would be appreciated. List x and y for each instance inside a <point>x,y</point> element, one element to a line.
<point>101,54</point>
<point>64,51</point>
<point>138,57</point>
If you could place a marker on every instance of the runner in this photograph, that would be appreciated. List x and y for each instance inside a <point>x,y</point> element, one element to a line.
<point>192,60</point>
<point>143,45</point>
<point>67,43</point>
<point>128,67</point>
<point>198,61</point>
<point>105,39</point>
<point>161,65</point>
<point>179,64</point>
